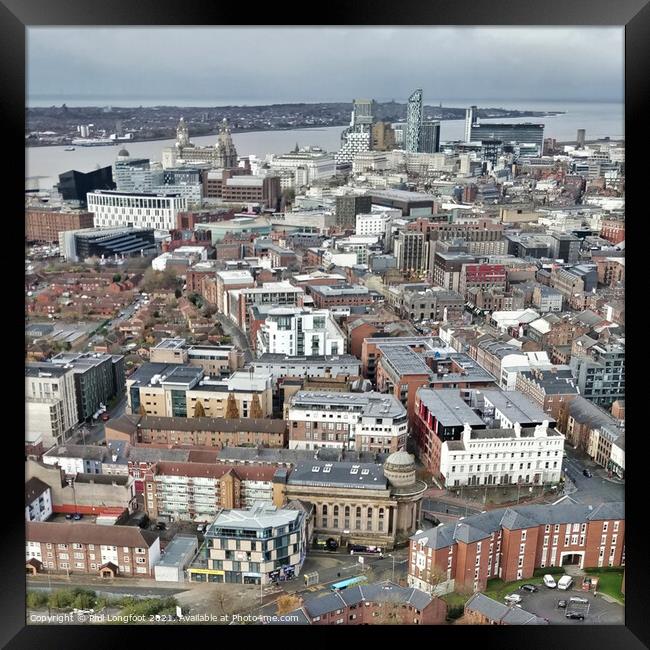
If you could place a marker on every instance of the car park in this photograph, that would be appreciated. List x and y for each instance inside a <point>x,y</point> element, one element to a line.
<point>575,599</point>
<point>561,604</point>
<point>575,615</point>
<point>529,587</point>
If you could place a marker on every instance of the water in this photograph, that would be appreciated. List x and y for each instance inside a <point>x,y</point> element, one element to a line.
<point>600,119</point>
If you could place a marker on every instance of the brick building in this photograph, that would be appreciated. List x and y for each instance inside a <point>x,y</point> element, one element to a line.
<point>44,226</point>
<point>511,543</point>
<point>108,551</point>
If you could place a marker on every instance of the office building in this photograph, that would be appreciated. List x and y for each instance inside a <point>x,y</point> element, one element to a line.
<point>522,133</point>
<point>361,421</point>
<point>580,140</point>
<point>429,137</point>
<point>413,121</point>
<point>45,226</point>
<point>600,373</point>
<point>79,245</point>
<point>155,211</point>
<point>471,116</point>
<point>349,206</point>
<point>383,137</point>
<point>255,546</point>
<point>357,137</point>
<point>280,366</point>
<point>411,250</point>
<point>74,186</point>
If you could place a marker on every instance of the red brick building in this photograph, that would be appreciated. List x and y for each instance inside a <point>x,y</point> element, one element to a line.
<point>108,551</point>
<point>44,226</point>
<point>511,543</point>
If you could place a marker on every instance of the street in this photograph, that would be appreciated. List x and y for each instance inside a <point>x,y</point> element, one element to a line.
<point>237,335</point>
<point>595,490</point>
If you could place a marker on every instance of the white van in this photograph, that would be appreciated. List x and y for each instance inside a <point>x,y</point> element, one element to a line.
<point>564,582</point>
<point>549,581</point>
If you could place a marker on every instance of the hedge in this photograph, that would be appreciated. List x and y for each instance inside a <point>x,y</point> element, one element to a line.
<point>552,570</point>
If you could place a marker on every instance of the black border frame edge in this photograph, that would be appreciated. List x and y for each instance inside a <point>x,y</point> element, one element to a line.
<point>16,15</point>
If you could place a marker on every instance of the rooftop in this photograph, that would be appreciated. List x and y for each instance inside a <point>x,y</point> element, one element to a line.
<point>261,515</point>
<point>365,476</point>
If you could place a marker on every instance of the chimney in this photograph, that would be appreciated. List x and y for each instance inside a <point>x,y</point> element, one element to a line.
<point>467,432</point>
<point>517,428</point>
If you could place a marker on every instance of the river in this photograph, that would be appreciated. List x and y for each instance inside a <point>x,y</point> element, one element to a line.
<point>600,119</point>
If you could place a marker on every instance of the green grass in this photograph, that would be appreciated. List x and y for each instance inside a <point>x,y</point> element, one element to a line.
<point>498,589</point>
<point>454,599</point>
<point>609,582</point>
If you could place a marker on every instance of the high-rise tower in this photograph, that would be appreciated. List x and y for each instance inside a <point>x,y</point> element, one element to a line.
<point>413,121</point>
<point>470,116</point>
<point>226,152</point>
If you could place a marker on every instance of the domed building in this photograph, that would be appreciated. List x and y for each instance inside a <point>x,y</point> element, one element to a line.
<point>123,154</point>
<point>356,502</point>
<point>406,490</point>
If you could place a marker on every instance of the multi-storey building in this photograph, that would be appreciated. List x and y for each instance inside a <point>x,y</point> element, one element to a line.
<point>362,421</point>
<point>348,206</point>
<point>441,416</point>
<point>155,211</point>
<point>280,366</point>
<point>522,133</point>
<point>546,299</point>
<point>44,226</point>
<point>533,457</point>
<point>600,375</point>
<point>255,546</point>
<point>433,303</point>
<point>98,379</point>
<point>38,500</point>
<point>107,551</point>
<point>50,404</point>
<point>411,250</point>
<point>447,268</point>
<point>198,431</point>
<point>357,502</point>
<point>414,121</point>
<point>300,332</point>
<point>551,389</point>
<point>331,296</point>
<point>280,294</point>
<point>214,359</point>
<point>482,276</point>
<point>198,491</point>
<point>511,543</point>
<point>79,245</point>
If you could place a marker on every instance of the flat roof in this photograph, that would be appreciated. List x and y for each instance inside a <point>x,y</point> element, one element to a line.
<point>516,406</point>
<point>178,550</point>
<point>260,515</point>
<point>368,404</point>
<point>449,408</point>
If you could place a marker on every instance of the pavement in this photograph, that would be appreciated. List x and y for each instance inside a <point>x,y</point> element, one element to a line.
<point>600,488</point>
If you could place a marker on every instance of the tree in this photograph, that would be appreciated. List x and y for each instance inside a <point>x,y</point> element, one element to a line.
<point>178,293</point>
<point>199,411</point>
<point>117,277</point>
<point>287,603</point>
<point>256,408</point>
<point>232,410</point>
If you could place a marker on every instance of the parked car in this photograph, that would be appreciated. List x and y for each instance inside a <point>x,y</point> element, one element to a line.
<point>529,587</point>
<point>77,516</point>
<point>575,599</point>
<point>69,516</point>
<point>513,598</point>
<point>587,473</point>
<point>561,604</point>
<point>549,581</point>
<point>576,615</point>
<point>564,582</point>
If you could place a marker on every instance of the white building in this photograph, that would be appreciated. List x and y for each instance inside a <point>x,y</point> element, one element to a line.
<point>528,456</point>
<point>369,161</point>
<point>373,224</point>
<point>355,143</point>
<point>358,244</point>
<point>38,500</point>
<point>157,211</point>
<point>363,421</point>
<point>300,332</point>
<point>50,404</point>
<point>305,166</point>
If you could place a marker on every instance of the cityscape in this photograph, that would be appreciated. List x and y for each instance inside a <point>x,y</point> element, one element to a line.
<point>372,374</point>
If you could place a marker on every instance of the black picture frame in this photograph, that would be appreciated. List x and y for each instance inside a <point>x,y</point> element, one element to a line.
<point>17,15</point>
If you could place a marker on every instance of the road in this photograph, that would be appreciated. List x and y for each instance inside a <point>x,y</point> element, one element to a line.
<point>442,507</point>
<point>595,490</point>
<point>236,334</point>
<point>94,434</point>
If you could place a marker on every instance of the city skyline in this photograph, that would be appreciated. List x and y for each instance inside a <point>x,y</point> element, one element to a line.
<point>493,63</point>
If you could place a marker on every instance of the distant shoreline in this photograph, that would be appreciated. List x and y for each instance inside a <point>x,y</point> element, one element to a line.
<point>280,128</point>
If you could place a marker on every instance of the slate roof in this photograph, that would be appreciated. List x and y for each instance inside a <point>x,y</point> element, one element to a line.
<point>476,527</point>
<point>368,476</point>
<point>496,611</point>
<point>33,489</point>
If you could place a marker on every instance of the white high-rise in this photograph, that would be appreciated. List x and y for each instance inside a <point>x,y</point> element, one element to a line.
<point>470,118</point>
<point>414,121</point>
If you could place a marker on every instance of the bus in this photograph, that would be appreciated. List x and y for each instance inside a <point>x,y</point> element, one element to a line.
<point>350,582</point>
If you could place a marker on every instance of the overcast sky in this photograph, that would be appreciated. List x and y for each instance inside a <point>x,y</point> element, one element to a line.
<point>327,64</point>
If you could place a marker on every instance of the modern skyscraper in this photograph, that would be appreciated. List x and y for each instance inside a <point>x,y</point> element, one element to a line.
<point>520,133</point>
<point>357,137</point>
<point>429,137</point>
<point>581,138</point>
<point>470,116</point>
<point>362,112</point>
<point>414,121</point>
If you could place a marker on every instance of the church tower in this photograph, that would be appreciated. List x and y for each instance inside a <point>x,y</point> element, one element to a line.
<point>226,152</point>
